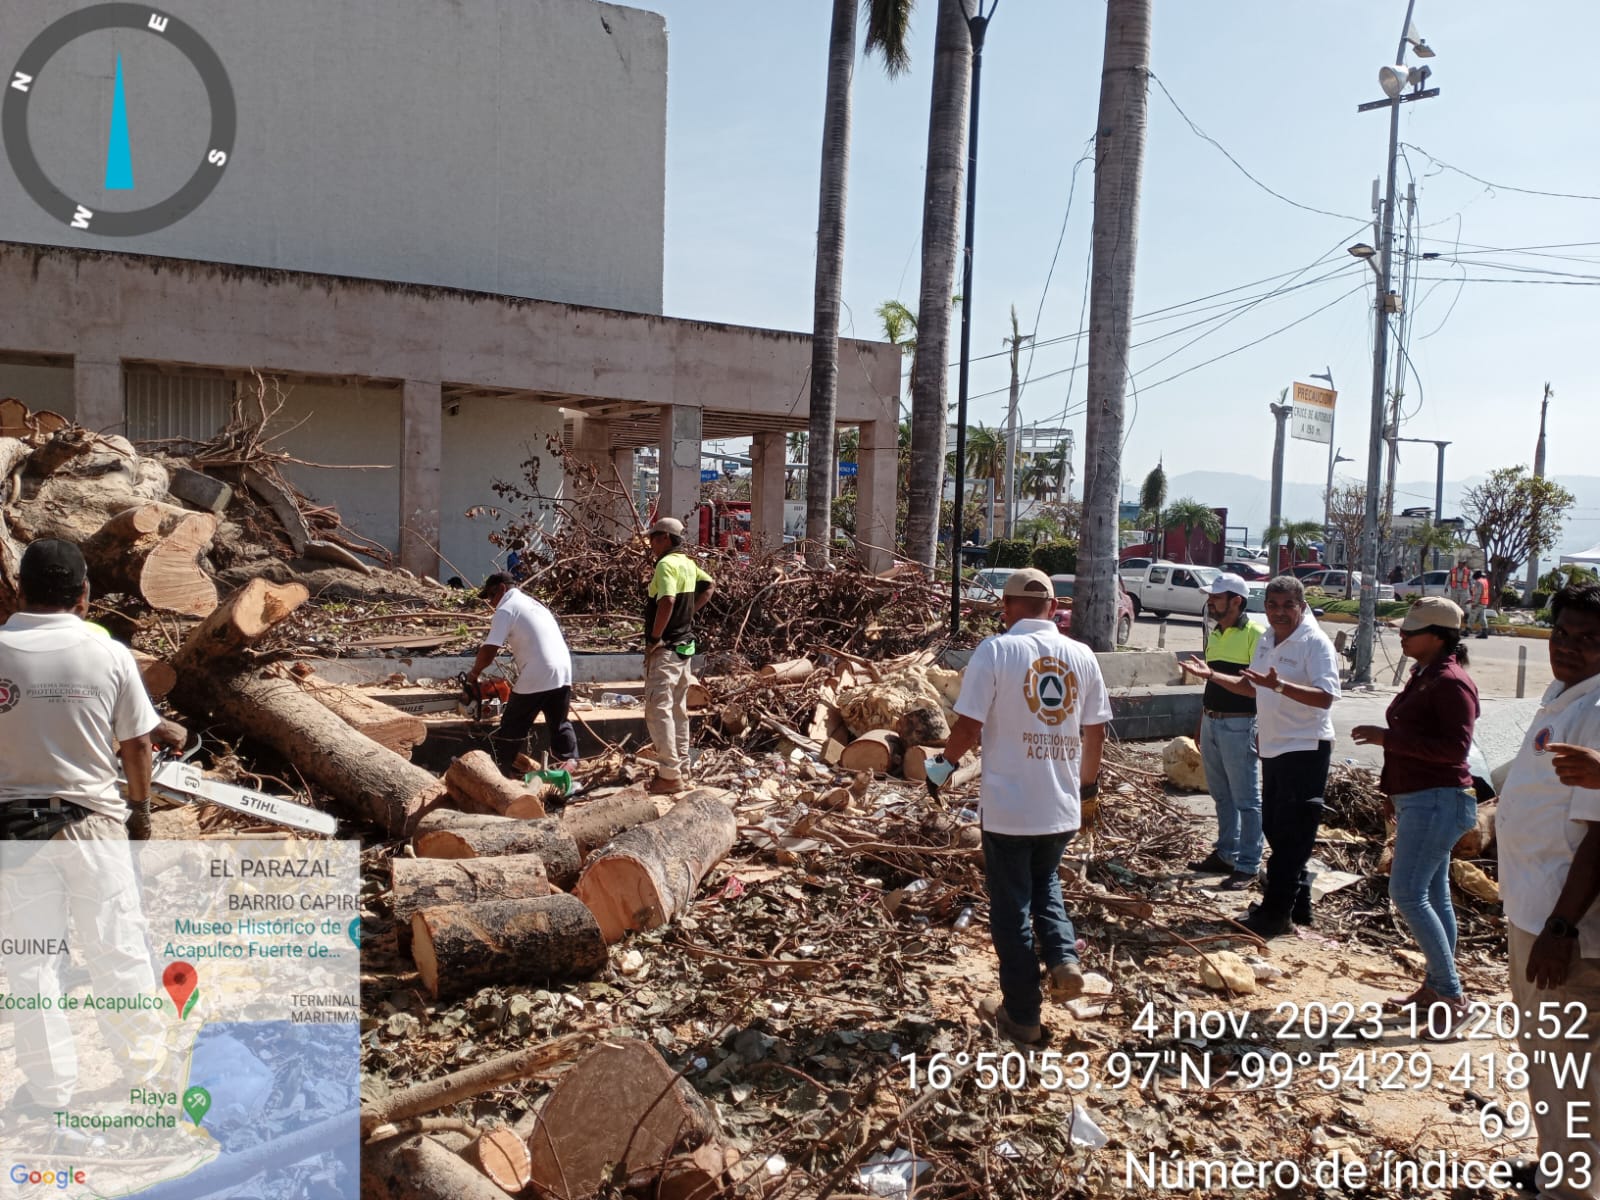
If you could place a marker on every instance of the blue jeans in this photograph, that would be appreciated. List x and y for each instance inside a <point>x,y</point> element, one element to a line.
<point>1233,773</point>
<point>1429,823</point>
<point>1024,904</point>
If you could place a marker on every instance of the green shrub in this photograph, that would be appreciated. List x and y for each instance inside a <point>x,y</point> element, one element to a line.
<point>1509,598</point>
<point>1540,600</point>
<point>1009,552</point>
<point>1387,609</point>
<point>1056,558</point>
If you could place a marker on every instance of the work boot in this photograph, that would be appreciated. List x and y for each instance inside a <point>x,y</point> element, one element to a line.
<point>664,787</point>
<point>1298,914</point>
<point>1023,1035</point>
<point>1065,982</point>
<point>1264,926</point>
<point>1238,881</point>
<point>1211,865</point>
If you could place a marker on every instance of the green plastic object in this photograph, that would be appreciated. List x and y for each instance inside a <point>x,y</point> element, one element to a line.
<point>558,779</point>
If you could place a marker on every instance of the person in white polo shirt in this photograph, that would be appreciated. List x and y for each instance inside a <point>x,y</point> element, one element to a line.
<point>544,673</point>
<point>72,705</point>
<point>1547,830</point>
<point>1038,703</point>
<point>1294,676</point>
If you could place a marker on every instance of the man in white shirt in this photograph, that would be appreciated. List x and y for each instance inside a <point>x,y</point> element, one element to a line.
<point>71,705</point>
<point>544,673</point>
<point>1294,676</point>
<point>1547,830</point>
<point>1038,703</point>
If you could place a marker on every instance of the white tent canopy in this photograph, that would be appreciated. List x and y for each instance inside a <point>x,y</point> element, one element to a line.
<point>1589,557</point>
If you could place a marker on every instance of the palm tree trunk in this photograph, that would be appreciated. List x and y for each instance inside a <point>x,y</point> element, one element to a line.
<point>830,282</point>
<point>941,241</point>
<point>1119,165</point>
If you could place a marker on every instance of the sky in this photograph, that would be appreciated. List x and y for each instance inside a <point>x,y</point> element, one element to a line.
<point>1277,86</point>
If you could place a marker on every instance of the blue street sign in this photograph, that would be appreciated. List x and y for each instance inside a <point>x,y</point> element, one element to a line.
<point>729,467</point>
<point>708,476</point>
<point>847,470</point>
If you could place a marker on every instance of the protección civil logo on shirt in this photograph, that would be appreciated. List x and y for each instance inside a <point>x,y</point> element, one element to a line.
<point>1051,689</point>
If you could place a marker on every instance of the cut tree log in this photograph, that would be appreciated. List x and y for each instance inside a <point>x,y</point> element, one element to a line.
<point>648,875</point>
<point>433,1094</point>
<point>459,948</point>
<point>503,1157</point>
<point>914,765</point>
<point>593,823</point>
<point>430,882</point>
<point>790,671</point>
<point>698,697</point>
<point>419,1168</point>
<point>478,787</point>
<point>878,750</point>
<point>383,723</point>
<point>238,622</point>
<point>621,1106</point>
<point>1475,842</point>
<point>158,676</point>
<point>153,551</point>
<point>924,725</point>
<point>441,835</point>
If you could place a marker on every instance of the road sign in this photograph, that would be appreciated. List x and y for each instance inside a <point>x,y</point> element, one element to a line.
<point>707,475</point>
<point>1313,414</point>
<point>847,470</point>
<point>730,466</point>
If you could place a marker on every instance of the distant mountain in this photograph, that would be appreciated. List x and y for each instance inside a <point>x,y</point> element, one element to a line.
<point>1248,501</point>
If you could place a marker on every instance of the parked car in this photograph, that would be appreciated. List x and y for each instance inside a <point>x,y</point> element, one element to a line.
<point>1131,569</point>
<point>1255,605</point>
<point>1169,587</point>
<point>1245,552</point>
<point>986,584</point>
<point>1247,568</point>
<point>1301,570</point>
<point>1333,582</point>
<point>1429,583</point>
<point>1064,585</point>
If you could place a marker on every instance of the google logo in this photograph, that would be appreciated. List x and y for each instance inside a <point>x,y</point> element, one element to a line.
<point>60,1178</point>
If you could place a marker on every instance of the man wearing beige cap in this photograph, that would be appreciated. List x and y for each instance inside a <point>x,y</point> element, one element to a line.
<point>1038,703</point>
<point>679,588</point>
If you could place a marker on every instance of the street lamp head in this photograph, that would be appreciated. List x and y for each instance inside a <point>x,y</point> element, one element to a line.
<point>1393,80</point>
<point>1419,44</point>
<point>1361,250</point>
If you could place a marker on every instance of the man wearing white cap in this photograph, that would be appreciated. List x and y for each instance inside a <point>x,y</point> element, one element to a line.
<point>1228,736</point>
<point>679,588</point>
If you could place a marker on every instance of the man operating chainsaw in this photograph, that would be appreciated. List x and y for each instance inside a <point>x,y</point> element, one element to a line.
<point>71,705</point>
<point>544,673</point>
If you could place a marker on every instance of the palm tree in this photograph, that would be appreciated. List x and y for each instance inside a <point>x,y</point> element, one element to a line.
<point>1190,515</point>
<point>1428,537</point>
<point>887,22</point>
<point>1118,171</point>
<point>1038,478</point>
<point>1296,533</point>
<point>900,329</point>
<point>986,452</point>
<point>941,242</point>
<point>1153,498</point>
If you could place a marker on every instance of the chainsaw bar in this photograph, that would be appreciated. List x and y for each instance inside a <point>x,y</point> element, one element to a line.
<point>180,781</point>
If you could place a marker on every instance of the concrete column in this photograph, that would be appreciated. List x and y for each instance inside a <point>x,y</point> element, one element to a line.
<point>877,471</point>
<point>97,396</point>
<point>421,445</point>
<point>591,445</point>
<point>622,461</point>
<point>768,453</point>
<point>680,463</point>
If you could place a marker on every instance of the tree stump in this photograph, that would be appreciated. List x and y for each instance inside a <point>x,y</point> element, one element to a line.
<point>430,882</point>
<point>459,948</point>
<point>153,551</point>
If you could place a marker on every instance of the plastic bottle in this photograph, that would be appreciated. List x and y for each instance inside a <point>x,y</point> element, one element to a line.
<point>964,921</point>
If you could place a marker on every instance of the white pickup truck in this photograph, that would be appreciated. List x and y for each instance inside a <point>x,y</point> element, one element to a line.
<point>1169,587</point>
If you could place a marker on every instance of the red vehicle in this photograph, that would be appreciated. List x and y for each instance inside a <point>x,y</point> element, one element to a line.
<point>1064,585</point>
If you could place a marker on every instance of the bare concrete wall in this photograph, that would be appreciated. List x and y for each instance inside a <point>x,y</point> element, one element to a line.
<point>39,387</point>
<point>510,146</point>
<point>489,439</point>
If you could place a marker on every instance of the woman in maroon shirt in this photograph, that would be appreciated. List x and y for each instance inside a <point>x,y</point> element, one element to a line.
<point>1430,796</point>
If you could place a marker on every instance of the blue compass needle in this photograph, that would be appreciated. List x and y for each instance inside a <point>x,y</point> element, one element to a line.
<point>119,153</point>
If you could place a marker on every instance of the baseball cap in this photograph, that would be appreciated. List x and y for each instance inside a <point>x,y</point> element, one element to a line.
<point>1432,610</point>
<point>498,579</point>
<point>1030,583</point>
<point>51,564</point>
<point>1228,582</point>
<point>668,525</point>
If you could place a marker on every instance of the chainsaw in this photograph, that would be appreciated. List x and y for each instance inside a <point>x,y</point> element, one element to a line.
<point>483,700</point>
<point>175,777</point>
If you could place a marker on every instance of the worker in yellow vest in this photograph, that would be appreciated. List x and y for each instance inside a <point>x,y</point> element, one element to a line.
<point>1480,603</point>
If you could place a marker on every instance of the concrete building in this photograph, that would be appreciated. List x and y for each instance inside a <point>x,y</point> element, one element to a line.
<point>439,238</point>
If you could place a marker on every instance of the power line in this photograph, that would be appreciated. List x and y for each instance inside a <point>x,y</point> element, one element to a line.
<point>1499,187</point>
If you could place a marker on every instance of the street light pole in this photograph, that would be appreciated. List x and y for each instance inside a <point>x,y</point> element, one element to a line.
<point>978,25</point>
<point>1333,454</point>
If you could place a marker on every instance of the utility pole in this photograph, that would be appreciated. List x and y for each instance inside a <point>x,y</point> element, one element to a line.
<point>1120,130</point>
<point>1280,413</point>
<point>1402,318</point>
<point>1394,80</point>
<point>1538,473</point>
<point>1015,341</point>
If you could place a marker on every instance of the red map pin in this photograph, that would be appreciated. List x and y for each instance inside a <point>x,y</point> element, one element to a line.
<point>180,980</point>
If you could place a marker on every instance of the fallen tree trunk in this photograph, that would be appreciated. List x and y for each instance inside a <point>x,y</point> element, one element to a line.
<point>429,882</point>
<point>443,835</point>
<point>649,874</point>
<point>478,786</point>
<point>433,1094</point>
<point>158,676</point>
<point>459,948</point>
<point>153,551</point>
<point>420,1168</point>
<point>238,622</point>
<point>621,1107</point>
<point>383,723</point>
<point>879,751</point>
<point>593,823</point>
